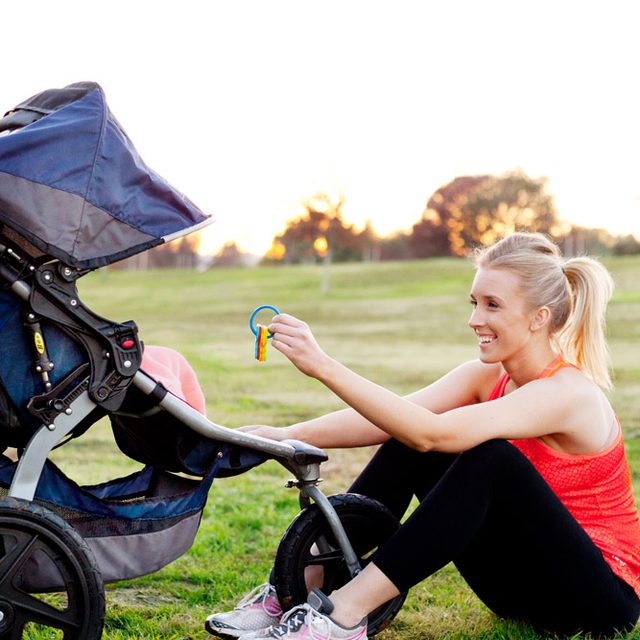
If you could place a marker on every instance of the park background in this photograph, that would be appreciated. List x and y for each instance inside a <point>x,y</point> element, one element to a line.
<point>250,108</point>
<point>377,143</point>
<point>400,323</point>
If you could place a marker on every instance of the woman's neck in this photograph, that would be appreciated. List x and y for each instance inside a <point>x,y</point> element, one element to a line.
<point>525,368</point>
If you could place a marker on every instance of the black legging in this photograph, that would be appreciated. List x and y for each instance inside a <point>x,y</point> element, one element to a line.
<point>490,512</point>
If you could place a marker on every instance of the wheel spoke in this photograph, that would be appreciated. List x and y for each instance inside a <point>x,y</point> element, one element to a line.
<point>11,563</point>
<point>325,559</point>
<point>38,548</point>
<point>309,553</point>
<point>32,609</point>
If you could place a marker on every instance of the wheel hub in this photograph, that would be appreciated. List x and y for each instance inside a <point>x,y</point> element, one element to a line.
<point>6,615</point>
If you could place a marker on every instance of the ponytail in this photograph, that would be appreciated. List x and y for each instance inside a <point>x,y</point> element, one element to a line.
<point>582,339</point>
<point>576,291</point>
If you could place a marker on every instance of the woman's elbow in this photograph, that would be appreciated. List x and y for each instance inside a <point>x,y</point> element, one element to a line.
<point>434,437</point>
<point>423,444</point>
<point>442,444</point>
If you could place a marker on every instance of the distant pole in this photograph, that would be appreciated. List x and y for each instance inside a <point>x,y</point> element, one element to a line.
<point>326,273</point>
<point>323,249</point>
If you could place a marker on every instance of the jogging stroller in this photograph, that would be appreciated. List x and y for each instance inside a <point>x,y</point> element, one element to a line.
<point>75,196</point>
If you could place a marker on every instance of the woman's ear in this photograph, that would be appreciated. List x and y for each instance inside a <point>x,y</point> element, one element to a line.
<point>540,319</point>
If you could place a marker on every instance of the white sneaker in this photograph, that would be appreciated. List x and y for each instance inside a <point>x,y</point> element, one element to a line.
<point>310,621</point>
<point>258,609</point>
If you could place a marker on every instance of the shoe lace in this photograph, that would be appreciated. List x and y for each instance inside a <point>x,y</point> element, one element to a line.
<point>294,619</point>
<point>259,593</point>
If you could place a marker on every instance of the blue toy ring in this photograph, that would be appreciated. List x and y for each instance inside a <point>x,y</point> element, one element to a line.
<point>257,310</point>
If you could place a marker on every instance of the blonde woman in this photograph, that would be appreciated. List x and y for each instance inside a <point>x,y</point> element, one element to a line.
<point>517,459</point>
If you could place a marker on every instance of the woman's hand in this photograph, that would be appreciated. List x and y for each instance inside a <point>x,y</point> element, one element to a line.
<point>293,338</point>
<point>273,433</point>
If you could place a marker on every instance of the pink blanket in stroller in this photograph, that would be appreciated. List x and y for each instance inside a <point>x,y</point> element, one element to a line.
<point>174,372</point>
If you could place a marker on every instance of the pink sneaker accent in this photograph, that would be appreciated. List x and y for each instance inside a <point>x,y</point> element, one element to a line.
<point>310,621</point>
<point>257,610</point>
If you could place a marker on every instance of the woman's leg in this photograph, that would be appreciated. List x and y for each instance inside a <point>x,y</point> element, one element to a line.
<point>514,542</point>
<point>396,473</point>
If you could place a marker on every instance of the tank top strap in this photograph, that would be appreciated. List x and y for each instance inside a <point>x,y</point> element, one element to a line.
<point>555,365</point>
<point>498,390</point>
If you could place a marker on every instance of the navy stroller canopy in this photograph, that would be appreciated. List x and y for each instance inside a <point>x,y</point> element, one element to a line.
<point>72,183</point>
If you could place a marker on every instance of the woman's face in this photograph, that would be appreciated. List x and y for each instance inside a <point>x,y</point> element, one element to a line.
<point>501,317</point>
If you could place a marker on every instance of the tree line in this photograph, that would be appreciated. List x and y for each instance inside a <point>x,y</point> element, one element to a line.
<point>468,212</point>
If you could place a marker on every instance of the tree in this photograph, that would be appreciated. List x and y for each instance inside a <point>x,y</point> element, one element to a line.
<point>626,246</point>
<point>369,243</point>
<point>586,241</point>
<point>478,210</point>
<point>396,247</point>
<point>429,238</point>
<point>321,226</point>
<point>228,256</point>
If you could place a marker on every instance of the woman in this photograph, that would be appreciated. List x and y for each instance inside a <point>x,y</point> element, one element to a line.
<point>517,460</point>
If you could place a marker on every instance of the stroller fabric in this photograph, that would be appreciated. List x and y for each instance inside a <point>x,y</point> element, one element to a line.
<point>134,525</point>
<point>173,371</point>
<point>141,430</point>
<point>73,184</point>
<point>17,378</point>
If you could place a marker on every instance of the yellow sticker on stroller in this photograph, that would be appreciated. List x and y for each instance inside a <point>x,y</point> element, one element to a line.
<point>39,342</point>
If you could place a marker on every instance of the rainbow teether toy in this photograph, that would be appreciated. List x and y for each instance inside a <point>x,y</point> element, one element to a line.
<point>261,333</point>
<point>261,343</point>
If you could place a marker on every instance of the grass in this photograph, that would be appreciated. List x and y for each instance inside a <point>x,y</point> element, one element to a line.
<point>401,324</point>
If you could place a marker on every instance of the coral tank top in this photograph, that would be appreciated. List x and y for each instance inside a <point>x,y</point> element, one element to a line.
<point>595,488</point>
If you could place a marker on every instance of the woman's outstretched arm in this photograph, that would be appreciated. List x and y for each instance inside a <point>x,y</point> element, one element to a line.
<point>531,411</point>
<point>346,428</point>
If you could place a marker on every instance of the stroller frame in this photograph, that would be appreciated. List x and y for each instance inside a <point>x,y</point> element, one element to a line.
<point>96,204</point>
<point>61,415</point>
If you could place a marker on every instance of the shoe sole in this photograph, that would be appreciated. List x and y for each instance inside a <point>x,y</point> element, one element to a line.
<point>214,631</point>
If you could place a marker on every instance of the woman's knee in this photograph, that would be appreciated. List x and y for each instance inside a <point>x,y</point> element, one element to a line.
<point>492,451</point>
<point>495,458</point>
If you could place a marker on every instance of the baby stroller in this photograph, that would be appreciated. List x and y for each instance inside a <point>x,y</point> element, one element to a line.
<point>75,196</point>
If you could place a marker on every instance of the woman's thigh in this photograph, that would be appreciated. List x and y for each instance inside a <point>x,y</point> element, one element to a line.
<point>490,512</point>
<point>397,473</point>
<point>532,560</point>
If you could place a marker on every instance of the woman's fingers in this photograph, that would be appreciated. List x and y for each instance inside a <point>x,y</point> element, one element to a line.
<point>294,339</point>
<point>265,431</point>
<point>286,324</point>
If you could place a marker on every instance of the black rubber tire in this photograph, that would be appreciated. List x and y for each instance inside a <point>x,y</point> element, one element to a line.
<point>368,524</point>
<point>30,534</point>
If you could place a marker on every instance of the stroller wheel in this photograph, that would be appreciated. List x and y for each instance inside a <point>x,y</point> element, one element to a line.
<point>49,578</point>
<point>309,551</point>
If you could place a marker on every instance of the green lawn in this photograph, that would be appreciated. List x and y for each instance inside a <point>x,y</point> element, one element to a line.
<point>401,324</point>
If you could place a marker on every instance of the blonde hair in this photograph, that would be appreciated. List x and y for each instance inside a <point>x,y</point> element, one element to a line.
<point>576,290</point>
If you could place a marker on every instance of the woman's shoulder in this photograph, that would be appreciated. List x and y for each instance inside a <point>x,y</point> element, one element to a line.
<point>577,388</point>
<point>577,380</point>
<point>484,375</point>
<point>586,419</point>
<point>577,393</point>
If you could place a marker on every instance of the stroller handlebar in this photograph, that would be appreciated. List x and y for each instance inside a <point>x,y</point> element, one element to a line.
<point>290,450</point>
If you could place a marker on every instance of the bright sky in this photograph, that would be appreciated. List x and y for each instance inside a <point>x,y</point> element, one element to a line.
<point>249,107</point>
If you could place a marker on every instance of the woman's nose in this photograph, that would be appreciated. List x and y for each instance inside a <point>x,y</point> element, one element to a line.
<point>475,319</point>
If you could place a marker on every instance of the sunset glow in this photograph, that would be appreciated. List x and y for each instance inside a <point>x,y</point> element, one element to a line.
<point>250,108</point>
